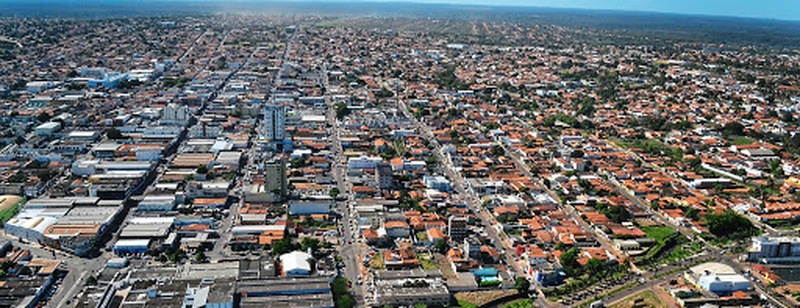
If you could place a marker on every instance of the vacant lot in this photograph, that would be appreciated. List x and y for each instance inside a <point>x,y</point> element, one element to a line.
<point>483,297</point>
<point>644,299</point>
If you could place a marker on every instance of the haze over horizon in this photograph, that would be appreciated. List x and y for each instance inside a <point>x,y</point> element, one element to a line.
<point>769,9</point>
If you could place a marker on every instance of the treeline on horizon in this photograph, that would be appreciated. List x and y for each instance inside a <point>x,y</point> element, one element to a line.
<point>702,29</point>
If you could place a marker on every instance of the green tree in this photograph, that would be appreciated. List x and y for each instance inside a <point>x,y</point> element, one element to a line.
<point>569,262</point>
<point>309,243</point>
<point>729,224</point>
<point>283,246</point>
<point>334,192</point>
<point>522,285</point>
<point>341,110</point>
<point>594,266</point>
<point>200,256</point>
<point>441,247</point>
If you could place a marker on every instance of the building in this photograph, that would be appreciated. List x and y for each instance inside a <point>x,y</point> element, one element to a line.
<point>285,292</point>
<point>47,129</point>
<point>274,122</point>
<point>457,228</point>
<point>439,183</point>
<point>296,263</point>
<point>717,277</point>
<point>275,177</point>
<point>775,250</point>
<point>136,246</point>
<point>397,229</point>
<point>175,114</point>
<point>363,162</point>
<point>410,288</point>
<point>383,175</point>
<point>313,207</point>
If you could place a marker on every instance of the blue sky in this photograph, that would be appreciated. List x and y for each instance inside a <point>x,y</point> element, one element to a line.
<point>770,9</point>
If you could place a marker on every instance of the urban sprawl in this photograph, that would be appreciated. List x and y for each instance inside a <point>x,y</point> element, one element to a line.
<point>240,160</point>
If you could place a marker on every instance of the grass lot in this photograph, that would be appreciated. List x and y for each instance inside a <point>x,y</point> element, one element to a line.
<point>642,299</point>
<point>466,304</point>
<point>740,140</point>
<point>669,246</point>
<point>523,303</point>
<point>658,234</point>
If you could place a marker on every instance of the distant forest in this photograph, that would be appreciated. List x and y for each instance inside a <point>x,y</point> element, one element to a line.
<point>693,28</point>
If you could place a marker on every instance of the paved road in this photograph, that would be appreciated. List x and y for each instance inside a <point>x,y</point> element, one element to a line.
<point>500,239</point>
<point>350,251</point>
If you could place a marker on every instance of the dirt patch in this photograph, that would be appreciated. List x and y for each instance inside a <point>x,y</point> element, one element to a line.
<point>481,298</point>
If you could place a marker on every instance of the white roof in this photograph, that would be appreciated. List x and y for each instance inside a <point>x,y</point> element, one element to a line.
<point>295,260</point>
<point>132,243</point>
<point>151,220</point>
<point>38,224</point>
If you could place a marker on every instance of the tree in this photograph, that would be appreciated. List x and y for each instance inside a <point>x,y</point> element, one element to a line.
<point>341,297</point>
<point>576,154</point>
<point>441,247</point>
<point>309,243</point>
<point>569,261</point>
<point>200,256</point>
<point>283,246</point>
<point>43,117</point>
<point>91,280</point>
<point>345,301</point>
<point>594,266</point>
<point>334,192</point>
<point>202,169</point>
<point>114,134</point>
<point>522,285</point>
<point>729,224</point>
<point>341,110</point>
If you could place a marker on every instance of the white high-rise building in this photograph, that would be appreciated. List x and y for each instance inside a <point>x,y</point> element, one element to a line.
<point>175,113</point>
<point>274,122</point>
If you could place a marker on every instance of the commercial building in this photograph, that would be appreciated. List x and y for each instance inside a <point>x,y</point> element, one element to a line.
<point>47,129</point>
<point>296,263</point>
<point>439,183</point>
<point>275,177</point>
<point>363,162</point>
<point>426,288</point>
<point>175,114</point>
<point>310,207</point>
<point>128,246</point>
<point>717,277</point>
<point>285,292</point>
<point>775,250</point>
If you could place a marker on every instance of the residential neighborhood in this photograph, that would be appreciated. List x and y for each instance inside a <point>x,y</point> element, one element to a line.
<point>247,160</point>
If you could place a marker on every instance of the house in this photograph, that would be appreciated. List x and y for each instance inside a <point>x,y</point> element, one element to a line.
<point>397,229</point>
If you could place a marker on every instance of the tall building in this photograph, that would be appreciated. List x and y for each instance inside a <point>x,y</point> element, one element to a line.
<point>275,178</point>
<point>383,175</point>
<point>274,122</point>
<point>458,228</point>
<point>175,114</point>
